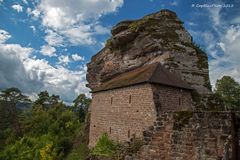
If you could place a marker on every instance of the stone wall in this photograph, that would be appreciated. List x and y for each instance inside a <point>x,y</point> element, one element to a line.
<point>190,136</point>
<point>122,113</point>
<point>171,99</point>
<point>126,112</point>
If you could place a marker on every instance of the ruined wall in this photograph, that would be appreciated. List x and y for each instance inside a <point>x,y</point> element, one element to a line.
<point>190,136</point>
<point>131,111</point>
<point>171,99</point>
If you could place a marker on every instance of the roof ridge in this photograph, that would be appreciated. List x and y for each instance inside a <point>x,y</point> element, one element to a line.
<point>155,70</point>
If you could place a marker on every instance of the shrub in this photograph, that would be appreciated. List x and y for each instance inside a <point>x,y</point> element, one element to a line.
<point>105,147</point>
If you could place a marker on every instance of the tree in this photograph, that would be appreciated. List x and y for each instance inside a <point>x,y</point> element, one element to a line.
<point>45,99</point>
<point>229,91</point>
<point>81,104</point>
<point>13,96</point>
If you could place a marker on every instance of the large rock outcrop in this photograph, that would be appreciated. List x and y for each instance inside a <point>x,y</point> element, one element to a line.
<point>158,37</point>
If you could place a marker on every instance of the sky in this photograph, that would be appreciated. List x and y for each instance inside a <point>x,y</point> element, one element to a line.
<point>46,44</point>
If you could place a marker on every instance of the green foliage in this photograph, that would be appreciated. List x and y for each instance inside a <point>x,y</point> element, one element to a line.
<point>80,106</point>
<point>182,118</point>
<point>229,91</point>
<point>49,129</point>
<point>108,43</point>
<point>28,148</point>
<point>105,147</point>
<point>45,99</point>
<point>129,148</point>
<point>11,97</point>
<point>79,153</point>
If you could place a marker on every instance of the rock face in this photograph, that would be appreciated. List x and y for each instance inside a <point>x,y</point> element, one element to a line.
<point>158,37</point>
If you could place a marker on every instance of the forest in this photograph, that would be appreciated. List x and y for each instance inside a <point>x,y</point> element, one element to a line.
<point>44,129</point>
<point>49,129</point>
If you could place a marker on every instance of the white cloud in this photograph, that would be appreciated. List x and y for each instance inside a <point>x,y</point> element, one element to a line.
<point>4,35</point>
<point>53,38</point>
<point>34,13</point>
<point>17,7</point>
<point>79,35</point>
<point>215,15</point>
<point>236,20</point>
<point>75,21</point>
<point>76,57</point>
<point>25,1</point>
<point>19,69</point>
<point>191,24</point>
<point>174,3</point>
<point>222,43</point>
<point>48,50</point>
<point>29,10</point>
<point>64,60</point>
<point>229,43</point>
<point>33,28</point>
<point>101,30</point>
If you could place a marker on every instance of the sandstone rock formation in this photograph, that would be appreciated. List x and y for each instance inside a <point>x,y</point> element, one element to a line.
<point>158,37</point>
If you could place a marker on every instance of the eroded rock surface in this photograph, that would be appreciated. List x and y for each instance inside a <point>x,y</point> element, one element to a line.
<point>158,37</point>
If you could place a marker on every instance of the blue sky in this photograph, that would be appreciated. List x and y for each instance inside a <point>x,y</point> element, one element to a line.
<point>45,44</point>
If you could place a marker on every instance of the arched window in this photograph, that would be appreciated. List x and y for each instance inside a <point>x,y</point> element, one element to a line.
<point>110,130</point>
<point>128,133</point>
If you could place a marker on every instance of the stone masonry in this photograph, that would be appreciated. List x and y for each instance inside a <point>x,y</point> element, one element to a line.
<point>187,135</point>
<point>126,112</point>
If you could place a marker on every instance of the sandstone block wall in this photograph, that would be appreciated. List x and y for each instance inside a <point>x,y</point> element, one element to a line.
<point>122,113</point>
<point>205,136</point>
<point>126,112</point>
<point>171,99</point>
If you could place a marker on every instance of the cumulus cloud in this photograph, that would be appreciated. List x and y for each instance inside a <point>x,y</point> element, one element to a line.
<point>12,69</point>
<point>174,3</point>
<point>17,7</point>
<point>76,57</point>
<point>226,42</point>
<point>75,21</point>
<point>19,68</point>
<point>25,1</point>
<point>4,35</point>
<point>33,28</point>
<point>54,38</point>
<point>64,60</point>
<point>229,62</point>
<point>34,13</point>
<point>79,35</point>
<point>48,50</point>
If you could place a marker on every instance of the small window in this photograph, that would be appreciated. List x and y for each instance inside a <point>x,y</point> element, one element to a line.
<point>179,101</point>
<point>111,100</point>
<point>110,130</point>
<point>128,133</point>
<point>130,99</point>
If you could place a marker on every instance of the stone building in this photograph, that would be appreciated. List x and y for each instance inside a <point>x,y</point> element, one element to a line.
<point>128,104</point>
